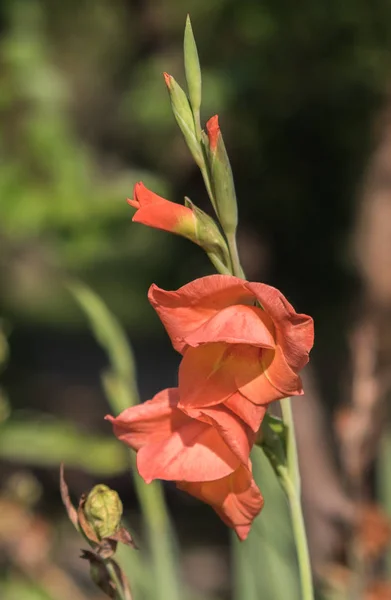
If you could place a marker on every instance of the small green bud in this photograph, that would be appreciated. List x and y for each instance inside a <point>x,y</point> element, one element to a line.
<point>103,511</point>
<point>184,117</point>
<point>222,178</point>
<point>192,68</point>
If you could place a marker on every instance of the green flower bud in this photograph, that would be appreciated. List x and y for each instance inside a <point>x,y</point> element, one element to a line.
<point>184,117</point>
<point>222,178</point>
<point>192,68</point>
<point>103,511</point>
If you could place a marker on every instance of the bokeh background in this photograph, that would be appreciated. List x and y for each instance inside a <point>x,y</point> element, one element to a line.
<point>303,97</point>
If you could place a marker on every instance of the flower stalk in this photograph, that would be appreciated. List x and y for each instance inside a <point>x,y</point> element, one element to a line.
<point>290,481</point>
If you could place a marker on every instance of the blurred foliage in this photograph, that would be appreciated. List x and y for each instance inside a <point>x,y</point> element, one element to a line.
<point>46,441</point>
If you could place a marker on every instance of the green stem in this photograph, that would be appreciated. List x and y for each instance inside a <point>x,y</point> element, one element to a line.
<point>120,594</point>
<point>291,449</point>
<point>290,479</point>
<point>197,125</point>
<point>206,177</point>
<point>300,537</point>
<point>233,250</point>
<point>218,264</point>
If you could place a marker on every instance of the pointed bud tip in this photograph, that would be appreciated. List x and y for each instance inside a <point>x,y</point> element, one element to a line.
<point>167,79</point>
<point>213,129</point>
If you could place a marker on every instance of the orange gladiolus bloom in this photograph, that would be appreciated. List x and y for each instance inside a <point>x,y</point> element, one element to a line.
<point>155,211</point>
<point>243,344</point>
<point>207,456</point>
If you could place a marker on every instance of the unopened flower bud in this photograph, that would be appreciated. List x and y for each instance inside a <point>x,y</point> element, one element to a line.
<point>184,117</point>
<point>222,178</point>
<point>189,220</point>
<point>103,511</point>
<point>192,68</point>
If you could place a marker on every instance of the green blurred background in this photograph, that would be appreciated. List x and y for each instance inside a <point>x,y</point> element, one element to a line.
<point>84,114</point>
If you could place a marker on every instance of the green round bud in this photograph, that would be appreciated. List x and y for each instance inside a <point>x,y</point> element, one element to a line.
<point>103,511</point>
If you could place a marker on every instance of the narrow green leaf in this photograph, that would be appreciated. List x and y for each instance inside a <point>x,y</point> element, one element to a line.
<point>48,441</point>
<point>112,338</point>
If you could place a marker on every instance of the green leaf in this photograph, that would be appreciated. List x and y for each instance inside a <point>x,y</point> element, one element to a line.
<point>112,338</point>
<point>48,441</point>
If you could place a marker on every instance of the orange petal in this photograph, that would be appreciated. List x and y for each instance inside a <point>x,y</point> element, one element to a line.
<point>133,203</point>
<point>213,130</point>
<point>280,374</point>
<point>206,375</point>
<point>236,324</point>
<point>294,332</point>
<point>210,374</point>
<point>183,311</point>
<point>168,216</point>
<point>145,197</point>
<point>250,413</point>
<point>153,420</point>
<point>196,452</point>
<point>236,434</point>
<point>173,446</point>
<point>236,498</point>
<point>275,379</point>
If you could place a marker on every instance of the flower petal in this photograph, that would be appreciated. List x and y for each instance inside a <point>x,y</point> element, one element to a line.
<point>196,452</point>
<point>170,444</point>
<point>183,311</point>
<point>151,421</point>
<point>210,374</point>
<point>248,411</point>
<point>236,498</point>
<point>145,197</point>
<point>274,380</point>
<point>294,332</point>
<point>236,324</point>
<point>206,375</point>
<point>236,434</point>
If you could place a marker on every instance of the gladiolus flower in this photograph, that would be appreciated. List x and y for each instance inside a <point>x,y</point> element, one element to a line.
<point>155,211</point>
<point>243,343</point>
<point>189,220</point>
<point>207,456</point>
